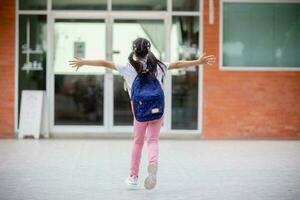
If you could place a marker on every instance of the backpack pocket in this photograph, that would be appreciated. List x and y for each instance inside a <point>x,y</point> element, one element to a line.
<point>148,108</point>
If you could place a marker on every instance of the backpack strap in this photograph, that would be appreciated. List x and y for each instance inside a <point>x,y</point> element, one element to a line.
<point>126,88</point>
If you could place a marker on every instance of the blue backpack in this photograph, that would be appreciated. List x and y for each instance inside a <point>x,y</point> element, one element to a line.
<point>147,97</point>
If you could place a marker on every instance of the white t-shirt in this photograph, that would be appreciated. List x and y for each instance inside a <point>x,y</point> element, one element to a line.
<point>128,72</point>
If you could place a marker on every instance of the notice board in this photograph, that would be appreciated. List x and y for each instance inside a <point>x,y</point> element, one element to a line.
<point>31,113</point>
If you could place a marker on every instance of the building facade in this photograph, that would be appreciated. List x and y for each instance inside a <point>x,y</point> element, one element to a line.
<point>251,92</point>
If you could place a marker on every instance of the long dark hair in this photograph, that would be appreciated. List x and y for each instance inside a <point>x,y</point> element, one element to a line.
<point>141,50</point>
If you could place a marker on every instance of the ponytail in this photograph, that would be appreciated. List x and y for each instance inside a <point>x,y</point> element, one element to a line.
<point>154,62</point>
<point>138,66</point>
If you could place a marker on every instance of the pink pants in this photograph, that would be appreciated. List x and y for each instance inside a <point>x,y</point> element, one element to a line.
<point>140,128</point>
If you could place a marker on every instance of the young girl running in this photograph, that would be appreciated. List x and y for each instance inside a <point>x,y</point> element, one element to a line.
<point>143,74</point>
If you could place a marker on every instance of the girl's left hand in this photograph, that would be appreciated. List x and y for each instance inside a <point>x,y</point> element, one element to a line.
<point>207,59</point>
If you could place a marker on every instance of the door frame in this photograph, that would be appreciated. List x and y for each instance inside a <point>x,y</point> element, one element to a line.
<point>167,18</point>
<point>72,129</point>
<point>137,16</point>
<point>109,17</point>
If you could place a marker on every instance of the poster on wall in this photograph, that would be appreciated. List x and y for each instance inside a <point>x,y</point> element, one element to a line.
<point>32,116</point>
<point>79,49</point>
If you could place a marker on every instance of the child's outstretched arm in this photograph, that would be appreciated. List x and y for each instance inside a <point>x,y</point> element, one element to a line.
<point>203,60</point>
<point>102,63</point>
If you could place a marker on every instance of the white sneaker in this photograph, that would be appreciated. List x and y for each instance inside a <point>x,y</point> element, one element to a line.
<point>131,182</point>
<point>150,181</point>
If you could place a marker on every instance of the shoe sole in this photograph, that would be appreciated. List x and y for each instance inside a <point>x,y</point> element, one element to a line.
<point>150,181</point>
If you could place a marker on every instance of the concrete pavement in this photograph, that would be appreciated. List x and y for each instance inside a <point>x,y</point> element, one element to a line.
<point>57,169</point>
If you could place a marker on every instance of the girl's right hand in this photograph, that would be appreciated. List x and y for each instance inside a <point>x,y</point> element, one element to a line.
<point>76,63</point>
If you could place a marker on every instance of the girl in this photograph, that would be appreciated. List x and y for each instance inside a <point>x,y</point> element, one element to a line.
<point>142,61</point>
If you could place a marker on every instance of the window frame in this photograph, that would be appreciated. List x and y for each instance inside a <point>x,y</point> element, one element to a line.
<point>109,15</point>
<point>221,31</point>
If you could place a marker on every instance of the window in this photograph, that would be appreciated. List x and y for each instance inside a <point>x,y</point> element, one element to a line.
<point>261,35</point>
<point>33,4</point>
<point>32,53</point>
<point>139,5</point>
<point>79,95</point>
<point>185,5</point>
<point>79,5</point>
<point>153,30</point>
<point>104,29</point>
<point>184,46</point>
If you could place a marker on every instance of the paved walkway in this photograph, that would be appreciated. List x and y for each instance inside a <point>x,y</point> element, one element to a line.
<point>95,169</point>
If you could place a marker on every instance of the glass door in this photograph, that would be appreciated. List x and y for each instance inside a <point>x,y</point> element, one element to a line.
<point>78,96</point>
<point>124,32</point>
<point>185,82</point>
<point>93,99</point>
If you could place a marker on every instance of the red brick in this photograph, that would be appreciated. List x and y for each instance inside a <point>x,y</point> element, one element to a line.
<point>247,105</point>
<point>7,51</point>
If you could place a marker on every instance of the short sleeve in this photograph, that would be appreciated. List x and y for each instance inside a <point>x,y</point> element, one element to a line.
<point>127,71</point>
<point>121,67</point>
<point>167,64</point>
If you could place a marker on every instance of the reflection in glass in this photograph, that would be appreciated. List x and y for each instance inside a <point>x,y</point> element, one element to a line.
<point>32,53</point>
<point>32,4</point>
<point>78,99</point>
<point>79,5</point>
<point>122,109</point>
<point>184,46</point>
<point>185,5</point>
<point>261,34</point>
<point>78,94</point>
<point>81,38</point>
<point>139,5</point>
<point>153,30</point>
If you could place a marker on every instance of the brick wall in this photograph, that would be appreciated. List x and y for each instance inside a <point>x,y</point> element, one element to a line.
<point>246,105</point>
<point>7,68</point>
<point>236,104</point>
